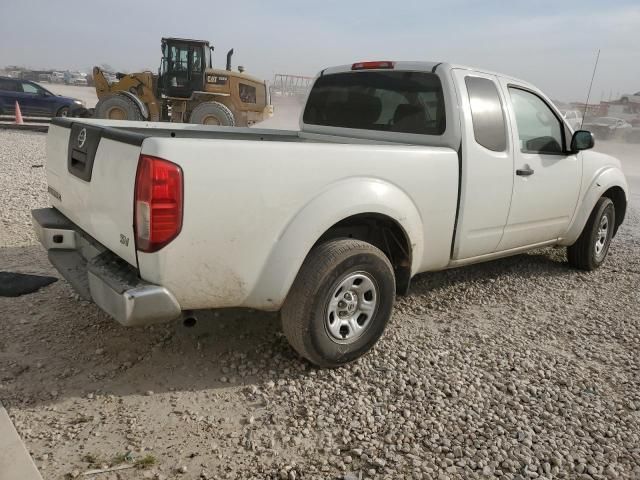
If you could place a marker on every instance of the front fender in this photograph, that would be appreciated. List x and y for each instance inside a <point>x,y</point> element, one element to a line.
<point>338,201</point>
<point>602,180</point>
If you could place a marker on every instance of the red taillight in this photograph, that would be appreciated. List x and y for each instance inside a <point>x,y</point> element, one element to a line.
<point>372,65</point>
<point>158,203</point>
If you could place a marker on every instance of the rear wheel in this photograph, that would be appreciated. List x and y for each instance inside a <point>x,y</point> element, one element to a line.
<point>591,248</point>
<point>117,107</point>
<point>340,302</point>
<point>212,113</point>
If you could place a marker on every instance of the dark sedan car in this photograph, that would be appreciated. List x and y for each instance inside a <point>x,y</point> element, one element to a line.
<point>35,100</point>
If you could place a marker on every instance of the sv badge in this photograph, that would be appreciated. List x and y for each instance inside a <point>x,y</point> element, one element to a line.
<point>124,240</point>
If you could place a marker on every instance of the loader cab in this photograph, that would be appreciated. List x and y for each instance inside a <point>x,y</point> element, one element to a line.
<point>183,66</point>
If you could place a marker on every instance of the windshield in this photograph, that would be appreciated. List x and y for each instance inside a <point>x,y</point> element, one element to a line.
<point>393,101</point>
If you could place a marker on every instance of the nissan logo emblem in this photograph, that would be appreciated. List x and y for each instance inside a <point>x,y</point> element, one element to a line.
<point>82,137</point>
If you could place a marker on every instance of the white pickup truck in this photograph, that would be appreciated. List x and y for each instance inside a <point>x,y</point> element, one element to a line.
<point>399,168</point>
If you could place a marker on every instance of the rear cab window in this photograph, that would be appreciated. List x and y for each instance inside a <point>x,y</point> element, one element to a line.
<point>487,115</point>
<point>388,101</point>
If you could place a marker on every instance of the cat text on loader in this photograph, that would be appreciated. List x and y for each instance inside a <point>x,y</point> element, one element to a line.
<point>186,89</point>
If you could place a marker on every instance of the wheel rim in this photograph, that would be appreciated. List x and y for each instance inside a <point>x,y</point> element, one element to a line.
<point>116,113</point>
<point>210,120</point>
<point>602,236</point>
<point>64,112</point>
<point>351,307</point>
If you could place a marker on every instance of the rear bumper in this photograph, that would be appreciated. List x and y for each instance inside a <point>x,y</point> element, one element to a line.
<point>99,275</point>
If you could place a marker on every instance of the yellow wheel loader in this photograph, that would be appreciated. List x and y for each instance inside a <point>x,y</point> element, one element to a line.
<point>186,89</point>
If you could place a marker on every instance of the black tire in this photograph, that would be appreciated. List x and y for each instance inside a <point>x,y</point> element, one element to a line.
<point>63,112</point>
<point>212,113</point>
<point>583,254</point>
<point>117,107</point>
<point>306,311</point>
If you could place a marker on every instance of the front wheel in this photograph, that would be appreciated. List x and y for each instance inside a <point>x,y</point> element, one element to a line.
<point>63,112</point>
<point>340,302</point>
<point>117,107</point>
<point>591,248</point>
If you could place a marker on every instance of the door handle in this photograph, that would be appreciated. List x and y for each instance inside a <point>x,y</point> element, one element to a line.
<point>525,172</point>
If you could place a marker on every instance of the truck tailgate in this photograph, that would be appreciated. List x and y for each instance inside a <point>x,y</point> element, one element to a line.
<point>91,173</point>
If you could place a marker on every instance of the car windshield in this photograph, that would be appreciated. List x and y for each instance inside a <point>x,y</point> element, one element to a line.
<point>393,101</point>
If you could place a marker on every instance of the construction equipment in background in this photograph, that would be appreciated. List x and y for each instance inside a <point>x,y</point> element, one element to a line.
<point>187,89</point>
<point>285,85</point>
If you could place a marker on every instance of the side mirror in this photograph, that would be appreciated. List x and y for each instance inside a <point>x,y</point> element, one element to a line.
<point>582,140</point>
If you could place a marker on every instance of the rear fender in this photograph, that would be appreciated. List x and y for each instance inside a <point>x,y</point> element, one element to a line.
<point>603,180</point>
<point>341,200</point>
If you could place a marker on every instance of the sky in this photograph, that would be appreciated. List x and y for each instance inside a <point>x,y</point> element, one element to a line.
<point>552,44</point>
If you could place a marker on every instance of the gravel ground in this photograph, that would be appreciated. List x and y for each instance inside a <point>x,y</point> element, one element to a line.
<point>23,185</point>
<point>518,368</point>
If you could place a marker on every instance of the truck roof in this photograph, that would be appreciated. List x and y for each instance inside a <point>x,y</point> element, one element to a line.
<point>425,66</point>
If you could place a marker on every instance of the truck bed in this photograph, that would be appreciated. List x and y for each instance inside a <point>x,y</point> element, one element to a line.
<point>250,210</point>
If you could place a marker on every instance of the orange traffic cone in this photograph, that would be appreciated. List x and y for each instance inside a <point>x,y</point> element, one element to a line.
<point>19,120</point>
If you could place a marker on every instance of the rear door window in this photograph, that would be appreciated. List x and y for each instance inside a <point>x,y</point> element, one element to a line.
<point>390,101</point>
<point>486,113</point>
<point>8,85</point>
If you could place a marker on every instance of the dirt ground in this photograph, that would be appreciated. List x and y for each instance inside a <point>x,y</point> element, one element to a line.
<point>519,368</point>
<point>286,109</point>
<point>86,94</point>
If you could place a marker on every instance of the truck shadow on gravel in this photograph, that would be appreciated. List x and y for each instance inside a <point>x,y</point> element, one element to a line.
<point>532,265</point>
<point>55,346</point>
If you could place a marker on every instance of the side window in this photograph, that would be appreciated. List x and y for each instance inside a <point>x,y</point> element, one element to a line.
<point>29,88</point>
<point>539,129</point>
<point>247,93</point>
<point>197,60</point>
<point>486,113</point>
<point>8,85</point>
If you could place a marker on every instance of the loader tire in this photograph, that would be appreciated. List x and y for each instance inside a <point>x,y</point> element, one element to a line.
<point>212,113</point>
<point>117,107</point>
